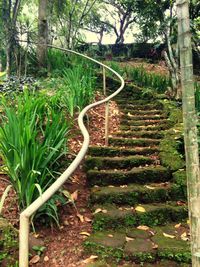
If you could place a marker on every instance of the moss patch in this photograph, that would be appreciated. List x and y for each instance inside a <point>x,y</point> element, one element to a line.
<point>136,175</point>
<point>156,214</point>
<point>117,151</point>
<point>130,195</point>
<point>116,162</point>
<point>169,155</point>
<point>146,122</point>
<point>133,142</point>
<point>145,134</point>
<point>8,244</point>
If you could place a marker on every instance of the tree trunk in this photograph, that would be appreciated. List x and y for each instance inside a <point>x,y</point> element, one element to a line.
<point>190,129</point>
<point>42,34</point>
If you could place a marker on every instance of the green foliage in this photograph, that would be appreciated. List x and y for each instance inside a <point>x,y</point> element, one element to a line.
<point>32,140</point>
<point>78,87</point>
<point>57,61</point>
<point>151,80</point>
<point>197,96</point>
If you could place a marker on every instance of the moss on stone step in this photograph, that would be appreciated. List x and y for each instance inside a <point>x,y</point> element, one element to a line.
<point>138,249</point>
<point>136,175</point>
<point>116,162</point>
<point>146,122</point>
<point>134,106</point>
<point>145,142</point>
<point>121,151</point>
<point>161,263</point>
<point>159,127</point>
<point>142,133</point>
<point>132,194</point>
<point>125,216</point>
<point>180,183</point>
<point>169,146</point>
<point>151,112</point>
<point>142,117</point>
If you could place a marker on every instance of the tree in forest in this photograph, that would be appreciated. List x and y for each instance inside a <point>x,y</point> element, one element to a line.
<point>119,16</point>
<point>42,33</point>
<point>10,12</point>
<point>190,129</point>
<point>68,17</point>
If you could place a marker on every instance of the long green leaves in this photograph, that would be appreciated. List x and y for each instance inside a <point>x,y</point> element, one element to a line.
<point>32,139</point>
<point>78,87</point>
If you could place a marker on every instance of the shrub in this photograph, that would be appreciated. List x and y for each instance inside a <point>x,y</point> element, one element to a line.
<point>78,87</point>
<point>32,140</point>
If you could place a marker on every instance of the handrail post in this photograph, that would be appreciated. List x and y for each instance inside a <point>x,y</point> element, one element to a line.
<point>106,108</point>
<point>24,241</point>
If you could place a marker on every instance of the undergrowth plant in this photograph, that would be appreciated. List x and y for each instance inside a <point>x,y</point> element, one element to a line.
<point>197,96</point>
<point>32,140</point>
<point>78,87</point>
<point>142,78</point>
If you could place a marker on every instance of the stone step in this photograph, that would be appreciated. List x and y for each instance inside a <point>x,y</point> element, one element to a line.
<point>142,112</point>
<point>121,151</point>
<point>142,133</point>
<point>128,162</point>
<point>132,105</point>
<point>137,102</point>
<point>133,194</point>
<point>141,246</point>
<point>157,263</point>
<point>145,122</point>
<point>153,127</point>
<point>142,117</point>
<point>113,217</point>
<point>144,142</point>
<point>136,175</point>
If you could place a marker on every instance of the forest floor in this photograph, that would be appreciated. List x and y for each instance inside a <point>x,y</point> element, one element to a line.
<point>64,245</point>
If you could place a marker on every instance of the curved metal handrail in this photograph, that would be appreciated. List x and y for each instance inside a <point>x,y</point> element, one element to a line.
<point>30,210</point>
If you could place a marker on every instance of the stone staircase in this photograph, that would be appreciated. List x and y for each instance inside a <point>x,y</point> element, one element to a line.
<point>138,215</point>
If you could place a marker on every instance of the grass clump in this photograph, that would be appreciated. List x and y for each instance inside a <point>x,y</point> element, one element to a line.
<point>32,140</point>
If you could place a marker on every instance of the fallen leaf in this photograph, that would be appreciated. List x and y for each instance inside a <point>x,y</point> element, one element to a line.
<point>184,237</point>
<point>110,235</point>
<point>81,218</point>
<point>140,209</point>
<point>97,210</point>
<point>169,236</point>
<point>90,259</point>
<point>149,187</point>
<point>84,233</point>
<point>177,225</point>
<point>46,258</point>
<point>87,219</point>
<point>155,246</point>
<point>35,259</point>
<point>104,211</point>
<point>188,221</point>
<point>124,186</point>
<point>74,195</point>
<point>129,239</point>
<point>143,227</point>
<point>181,203</point>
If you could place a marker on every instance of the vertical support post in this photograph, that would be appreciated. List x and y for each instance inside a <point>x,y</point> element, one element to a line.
<point>106,108</point>
<point>23,241</point>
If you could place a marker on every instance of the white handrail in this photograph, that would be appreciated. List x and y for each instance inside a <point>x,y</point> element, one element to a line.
<point>30,210</point>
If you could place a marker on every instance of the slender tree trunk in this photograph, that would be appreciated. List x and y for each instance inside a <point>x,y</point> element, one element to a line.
<point>190,129</point>
<point>42,33</point>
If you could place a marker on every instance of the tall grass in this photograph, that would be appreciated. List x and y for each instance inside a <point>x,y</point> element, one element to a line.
<point>32,140</point>
<point>57,61</point>
<point>142,78</point>
<point>78,87</point>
